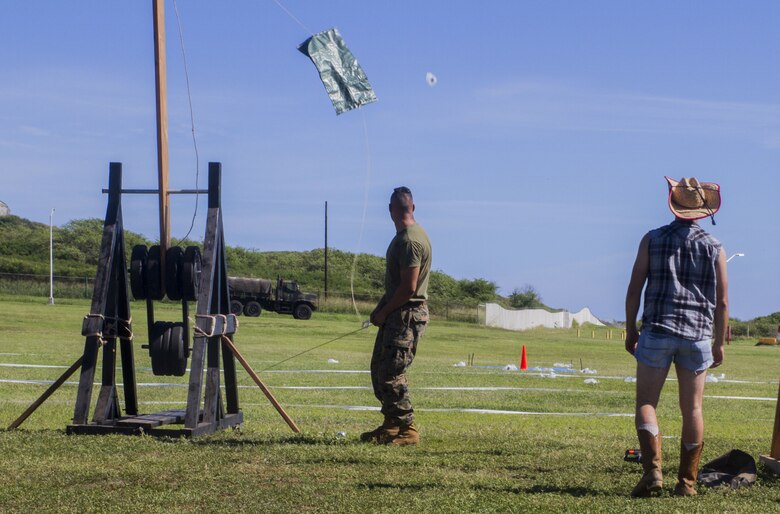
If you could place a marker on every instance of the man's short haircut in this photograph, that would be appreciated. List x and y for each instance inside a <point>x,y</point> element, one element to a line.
<point>403,196</point>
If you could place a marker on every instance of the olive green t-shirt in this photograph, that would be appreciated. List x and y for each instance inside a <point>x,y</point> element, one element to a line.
<point>410,248</point>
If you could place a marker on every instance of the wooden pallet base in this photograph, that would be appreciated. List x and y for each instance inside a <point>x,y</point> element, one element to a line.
<point>773,464</point>
<point>152,424</point>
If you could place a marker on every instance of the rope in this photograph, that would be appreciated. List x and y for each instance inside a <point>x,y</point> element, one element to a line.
<point>365,206</point>
<point>703,199</point>
<point>97,334</point>
<point>200,332</point>
<point>364,326</point>
<point>213,326</point>
<point>192,116</point>
<point>292,16</point>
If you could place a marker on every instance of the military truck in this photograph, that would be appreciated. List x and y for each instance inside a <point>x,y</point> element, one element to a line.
<point>249,296</point>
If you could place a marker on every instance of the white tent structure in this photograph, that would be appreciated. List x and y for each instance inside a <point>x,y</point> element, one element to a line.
<point>496,316</point>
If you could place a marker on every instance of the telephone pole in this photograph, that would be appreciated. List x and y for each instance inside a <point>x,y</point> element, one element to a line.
<point>326,249</point>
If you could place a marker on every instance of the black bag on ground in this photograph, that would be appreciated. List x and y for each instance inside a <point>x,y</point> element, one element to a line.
<point>734,468</point>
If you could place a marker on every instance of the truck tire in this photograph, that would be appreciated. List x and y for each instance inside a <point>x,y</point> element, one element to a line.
<point>236,307</point>
<point>252,309</point>
<point>302,311</point>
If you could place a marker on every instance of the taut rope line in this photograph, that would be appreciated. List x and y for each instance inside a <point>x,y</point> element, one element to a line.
<point>365,207</point>
<point>364,326</point>
<point>192,116</point>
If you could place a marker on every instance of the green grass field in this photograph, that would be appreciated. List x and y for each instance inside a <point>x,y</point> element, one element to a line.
<point>560,449</point>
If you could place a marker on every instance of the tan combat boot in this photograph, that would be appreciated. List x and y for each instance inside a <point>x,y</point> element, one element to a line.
<point>385,429</point>
<point>689,469</point>
<point>652,480</point>
<point>407,435</point>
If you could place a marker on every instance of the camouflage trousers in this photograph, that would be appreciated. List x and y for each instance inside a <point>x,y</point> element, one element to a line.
<point>394,351</point>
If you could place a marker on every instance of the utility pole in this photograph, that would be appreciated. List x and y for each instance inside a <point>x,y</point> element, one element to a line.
<point>51,257</point>
<point>162,131</point>
<point>326,249</point>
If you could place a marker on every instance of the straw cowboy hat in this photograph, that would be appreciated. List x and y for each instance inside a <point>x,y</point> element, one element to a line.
<point>691,200</point>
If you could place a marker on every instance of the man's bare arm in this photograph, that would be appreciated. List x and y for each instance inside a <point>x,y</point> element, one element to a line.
<point>634,293</point>
<point>402,294</point>
<point>721,309</point>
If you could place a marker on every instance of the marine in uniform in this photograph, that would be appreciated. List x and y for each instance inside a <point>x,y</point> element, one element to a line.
<point>401,315</point>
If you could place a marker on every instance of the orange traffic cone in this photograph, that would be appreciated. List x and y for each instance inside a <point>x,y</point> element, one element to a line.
<point>523,360</point>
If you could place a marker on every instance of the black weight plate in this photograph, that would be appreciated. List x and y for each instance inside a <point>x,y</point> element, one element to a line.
<point>178,351</point>
<point>166,352</point>
<point>156,340</point>
<point>190,276</point>
<point>174,261</point>
<point>153,275</point>
<point>137,268</point>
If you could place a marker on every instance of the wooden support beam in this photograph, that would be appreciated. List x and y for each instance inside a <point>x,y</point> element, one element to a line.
<point>267,392</point>
<point>772,461</point>
<point>37,403</point>
<point>162,130</point>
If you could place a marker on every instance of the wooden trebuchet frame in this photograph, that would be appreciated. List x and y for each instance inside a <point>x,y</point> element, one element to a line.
<point>111,301</point>
<point>213,321</point>
<point>109,320</point>
<point>772,461</point>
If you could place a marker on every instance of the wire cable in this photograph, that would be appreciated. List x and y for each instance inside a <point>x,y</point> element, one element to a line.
<point>192,116</point>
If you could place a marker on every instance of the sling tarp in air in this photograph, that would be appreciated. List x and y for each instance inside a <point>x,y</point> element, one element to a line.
<point>344,79</point>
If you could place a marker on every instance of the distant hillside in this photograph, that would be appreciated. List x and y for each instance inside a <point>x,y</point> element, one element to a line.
<point>25,246</point>
<point>25,249</point>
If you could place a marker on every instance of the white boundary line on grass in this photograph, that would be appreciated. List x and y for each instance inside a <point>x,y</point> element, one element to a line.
<point>367,388</point>
<point>360,371</point>
<point>372,408</point>
<point>475,411</point>
<point>12,365</point>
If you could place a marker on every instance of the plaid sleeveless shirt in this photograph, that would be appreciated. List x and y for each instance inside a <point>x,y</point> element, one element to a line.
<point>680,294</point>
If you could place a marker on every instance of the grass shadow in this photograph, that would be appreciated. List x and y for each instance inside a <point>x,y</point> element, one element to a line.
<point>236,439</point>
<point>396,486</point>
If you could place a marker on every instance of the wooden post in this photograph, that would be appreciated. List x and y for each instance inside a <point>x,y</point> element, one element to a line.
<point>326,250</point>
<point>772,461</point>
<point>162,131</point>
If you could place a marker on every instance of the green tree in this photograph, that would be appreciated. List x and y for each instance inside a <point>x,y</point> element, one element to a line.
<point>478,290</point>
<point>442,286</point>
<point>526,297</point>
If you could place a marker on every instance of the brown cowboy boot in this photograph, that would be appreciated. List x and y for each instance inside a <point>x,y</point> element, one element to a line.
<point>374,436</point>
<point>407,435</point>
<point>689,469</point>
<point>652,480</point>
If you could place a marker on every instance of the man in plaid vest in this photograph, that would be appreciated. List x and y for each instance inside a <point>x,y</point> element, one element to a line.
<point>682,270</point>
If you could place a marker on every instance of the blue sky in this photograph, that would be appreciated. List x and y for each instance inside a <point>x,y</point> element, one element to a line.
<point>538,158</point>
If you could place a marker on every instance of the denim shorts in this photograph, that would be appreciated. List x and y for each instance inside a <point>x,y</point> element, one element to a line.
<point>659,350</point>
